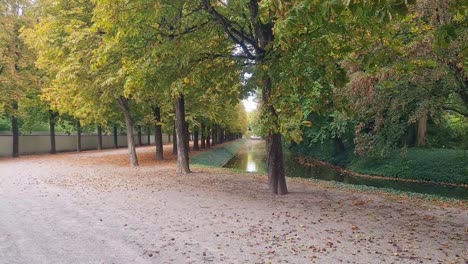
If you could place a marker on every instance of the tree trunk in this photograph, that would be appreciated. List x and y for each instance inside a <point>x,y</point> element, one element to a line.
<point>220,135</point>
<point>182,151</point>
<point>99,134</point>
<point>208,139</point>
<point>52,117</point>
<point>78,136</point>
<point>339,146</point>
<point>169,136</point>
<point>174,140</point>
<point>187,137</point>
<point>116,138</point>
<point>158,133</point>
<point>276,175</point>
<point>195,140</point>
<point>15,130</point>
<point>422,130</point>
<point>149,135</point>
<point>140,141</point>
<point>123,103</point>
<point>214,137</point>
<point>202,129</point>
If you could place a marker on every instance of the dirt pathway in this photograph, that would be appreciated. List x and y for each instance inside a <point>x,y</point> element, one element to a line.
<point>92,208</point>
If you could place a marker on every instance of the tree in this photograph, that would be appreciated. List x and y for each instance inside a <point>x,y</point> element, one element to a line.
<point>17,72</point>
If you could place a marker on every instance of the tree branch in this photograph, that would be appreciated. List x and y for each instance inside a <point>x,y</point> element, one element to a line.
<point>236,35</point>
<point>448,108</point>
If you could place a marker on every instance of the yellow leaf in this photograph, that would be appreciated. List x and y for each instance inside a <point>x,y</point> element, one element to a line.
<point>307,123</point>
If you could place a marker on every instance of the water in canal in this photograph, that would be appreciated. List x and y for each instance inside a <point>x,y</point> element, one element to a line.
<point>252,158</point>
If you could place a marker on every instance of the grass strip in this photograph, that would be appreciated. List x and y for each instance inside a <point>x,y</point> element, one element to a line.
<point>218,156</point>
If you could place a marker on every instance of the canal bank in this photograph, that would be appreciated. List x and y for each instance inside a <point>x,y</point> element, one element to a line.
<point>219,155</point>
<point>251,157</point>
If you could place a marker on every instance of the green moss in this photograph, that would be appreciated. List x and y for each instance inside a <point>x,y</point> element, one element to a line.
<point>219,156</point>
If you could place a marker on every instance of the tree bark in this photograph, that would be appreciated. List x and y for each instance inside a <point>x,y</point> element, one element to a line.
<point>339,146</point>
<point>187,137</point>
<point>123,103</point>
<point>174,140</point>
<point>15,130</point>
<point>52,116</point>
<point>208,139</point>
<point>78,136</point>
<point>422,130</point>
<point>220,135</point>
<point>202,130</point>
<point>158,133</point>
<point>116,138</point>
<point>214,137</point>
<point>182,151</point>
<point>276,177</point>
<point>140,141</point>
<point>195,140</point>
<point>149,136</point>
<point>99,134</point>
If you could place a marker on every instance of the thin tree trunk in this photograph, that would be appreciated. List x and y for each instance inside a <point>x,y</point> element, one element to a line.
<point>220,135</point>
<point>182,151</point>
<point>158,133</point>
<point>195,140</point>
<point>422,130</point>
<point>202,130</point>
<point>99,134</point>
<point>174,140</point>
<point>15,130</point>
<point>339,146</point>
<point>214,137</point>
<point>187,137</point>
<point>52,117</point>
<point>208,139</point>
<point>78,136</point>
<point>123,103</point>
<point>140,141</point>
<point>149,135</point>
<point>276,175</point>
<point>169,138</point>
<point>116,138</point>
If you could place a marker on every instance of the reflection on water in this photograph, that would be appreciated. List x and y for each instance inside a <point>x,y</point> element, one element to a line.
<point>252,158</point>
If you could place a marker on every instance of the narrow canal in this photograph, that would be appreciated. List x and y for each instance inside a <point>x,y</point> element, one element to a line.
<point>252,158</point>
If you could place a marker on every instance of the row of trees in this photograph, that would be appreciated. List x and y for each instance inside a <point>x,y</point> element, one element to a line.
<point>384,65</point>
<point>57,68</point>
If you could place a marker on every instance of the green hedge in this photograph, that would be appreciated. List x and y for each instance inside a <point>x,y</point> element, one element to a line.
<point>436,165</point>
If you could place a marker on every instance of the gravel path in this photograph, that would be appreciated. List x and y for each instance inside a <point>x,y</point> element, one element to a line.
<point>91,207</point>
